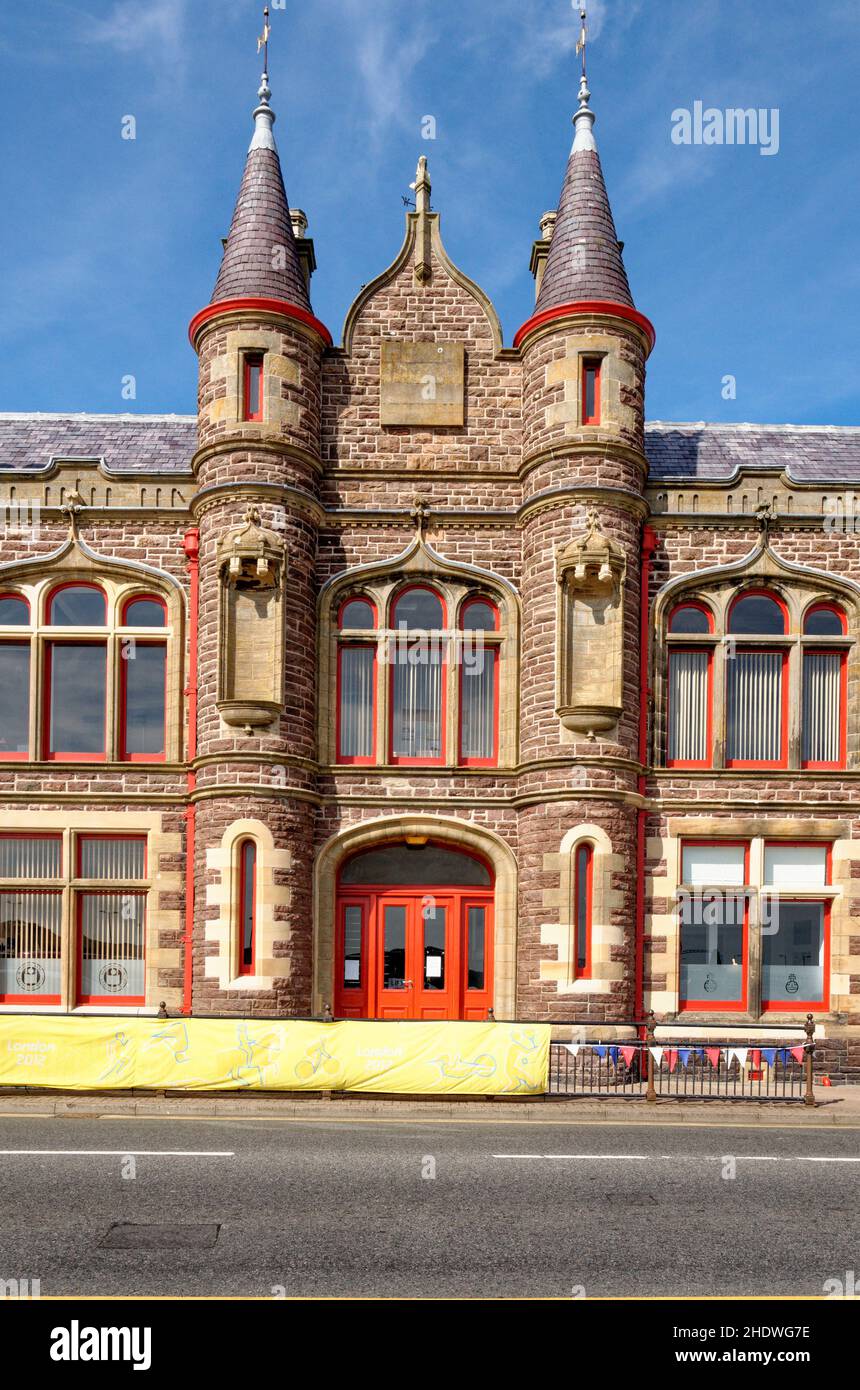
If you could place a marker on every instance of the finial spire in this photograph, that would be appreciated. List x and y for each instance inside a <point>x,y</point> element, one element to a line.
<point>264,116</point>
<point>583,121</point>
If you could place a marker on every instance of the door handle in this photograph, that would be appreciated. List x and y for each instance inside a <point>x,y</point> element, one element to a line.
<point>408,984</point>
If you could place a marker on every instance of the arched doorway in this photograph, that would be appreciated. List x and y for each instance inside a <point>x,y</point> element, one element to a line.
<point>414,933</point>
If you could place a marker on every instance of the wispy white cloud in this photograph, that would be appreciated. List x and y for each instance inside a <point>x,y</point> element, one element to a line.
<point>145,27</point>
<point>387,54</point>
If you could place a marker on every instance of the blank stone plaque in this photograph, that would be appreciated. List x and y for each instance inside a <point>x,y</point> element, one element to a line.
<point>421,384</point>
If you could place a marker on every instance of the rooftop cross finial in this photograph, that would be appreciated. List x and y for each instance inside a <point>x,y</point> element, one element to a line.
<point>263,41</point>
<point>583,121</point>
<point>583,35</point>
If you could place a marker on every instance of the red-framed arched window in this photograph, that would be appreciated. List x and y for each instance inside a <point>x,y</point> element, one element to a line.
<point>417,692</point>
<point>14,677</point>
<point>143,680</point>
<point>356,680</point>
<point>756,671</point>
<point>479,683</point>
<point>247,904</point>
<point>75,686</point>
<point>583,893</point>
<point>690,686</point>
<point>824,681</point>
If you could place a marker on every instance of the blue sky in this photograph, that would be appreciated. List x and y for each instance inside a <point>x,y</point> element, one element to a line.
<point>747,264</point>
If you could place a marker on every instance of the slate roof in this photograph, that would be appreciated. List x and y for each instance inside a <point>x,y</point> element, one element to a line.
<point>584,260</point>
<point>127,443</point>
<point>807,453</point>
<point>260,259</point>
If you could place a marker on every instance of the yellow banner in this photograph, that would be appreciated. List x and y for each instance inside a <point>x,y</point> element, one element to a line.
<point>197,1054</point>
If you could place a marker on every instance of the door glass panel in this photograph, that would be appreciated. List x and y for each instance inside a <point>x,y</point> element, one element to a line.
<point>352,947</point>
<point>394,948</point>
<point>476,927</point>
<point>434,947</point>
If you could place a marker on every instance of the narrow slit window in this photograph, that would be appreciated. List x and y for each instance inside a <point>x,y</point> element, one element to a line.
<point>247,905</point>
<point>583,869</point>
<point>253,387</point>
<point>591,391</point>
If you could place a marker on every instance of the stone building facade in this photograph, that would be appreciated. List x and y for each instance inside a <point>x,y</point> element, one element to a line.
<point>418,676</point>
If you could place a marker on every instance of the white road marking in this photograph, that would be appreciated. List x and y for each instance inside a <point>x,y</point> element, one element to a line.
<point>692,1158</point>
<point>119,1153</point>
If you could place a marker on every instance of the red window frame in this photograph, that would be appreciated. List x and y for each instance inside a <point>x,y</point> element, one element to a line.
<point>493,652</point>
<point>821,1005</point>
<point>782,760</point>
<point>124,1001</point>
<point>813,763</point>
<point>58,755</point>
<point>73,584</point>
<point>55,892</point>
<point>354,759</point>
<point>813,608</point>
<point>247,967</point>
<point>252,369</point>
<point>357,598</point>
<point>735,1006</point>
<point>689,603</point>
<point>583,973</point>
<point>106,835</point>
<point>708,759</point>
<point>396,635</point>
<point>124,754</point>
<point>142,598</point>
<point>590,367</point>
<point>20,598</point>
<point>5,755</point>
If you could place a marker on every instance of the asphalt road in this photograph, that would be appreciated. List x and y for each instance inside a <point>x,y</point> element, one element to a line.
<point>245,1207</point>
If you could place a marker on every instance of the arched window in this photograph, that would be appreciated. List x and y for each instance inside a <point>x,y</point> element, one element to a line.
<point>583,879</point>
<point>92,658</point>
<point>75,711</point>
<point>690,686</point>
<point>247,906</point>
<point>757,683</point>
<point>356,684</point>
<point>417,654</point>
<point>14,676</point>
<point>825,673</point>
<point>479,683</point>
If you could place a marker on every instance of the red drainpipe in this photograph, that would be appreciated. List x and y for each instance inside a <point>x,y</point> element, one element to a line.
<point>649,542</point>
<point>191,546</point>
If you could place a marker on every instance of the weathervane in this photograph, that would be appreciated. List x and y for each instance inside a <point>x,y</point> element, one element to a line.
<point>583,35</point>
<point>263,40</point>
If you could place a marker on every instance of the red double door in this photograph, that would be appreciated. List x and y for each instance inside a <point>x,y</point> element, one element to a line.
<point>414,953</point>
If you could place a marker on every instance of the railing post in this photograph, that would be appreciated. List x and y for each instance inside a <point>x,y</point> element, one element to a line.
<point>650,1090</point>
<point>809,1097</point>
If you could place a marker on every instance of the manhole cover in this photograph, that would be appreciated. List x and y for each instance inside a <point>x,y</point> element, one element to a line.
<point>128,1235</point>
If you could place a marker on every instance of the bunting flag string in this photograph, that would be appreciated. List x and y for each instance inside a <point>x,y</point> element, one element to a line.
<point>753,1057</point>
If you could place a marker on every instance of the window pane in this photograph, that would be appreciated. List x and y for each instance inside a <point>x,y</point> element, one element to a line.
<point>712,865</point>
<point>688,706</point>
<point>822,707</point>
<point>793,955</point>
<point>478,696</point>
<point>479,617</point>
<point>582,905</point>
<point>712,964</point>
<point>144,672</point>
<point>30,925</point>
<point>754,693</point>
<point>823,622</point>
<point>101,857</point>
<point>795,866</point>
<point>77,698</point>
<point>30,857</point>
<point>394,948</point>
<point>249,900</point>
<point>590,391</point>
<point>78,607</point>
<point>357,613</point>
<point>352,931</point>
<point>144,612</point>
<point>15,684</point>
<point>689,619</point>
<point>417,701</point>
<point>757,614</point>
<point>14,612</point>
<point>112,945</point>
<point>434,947</point>
<point>476,926</point>
<point>356,705</point>
<point>418,608</point>
<point>416,866</point>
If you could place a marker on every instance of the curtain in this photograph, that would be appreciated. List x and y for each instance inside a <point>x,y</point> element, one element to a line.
<point>417,701</point>
<point>822,697</point>
<point>478,713</point>
<point>105,858</point>
<point>356,701</point>
<point>688,706</point>
<point>754,693</point>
